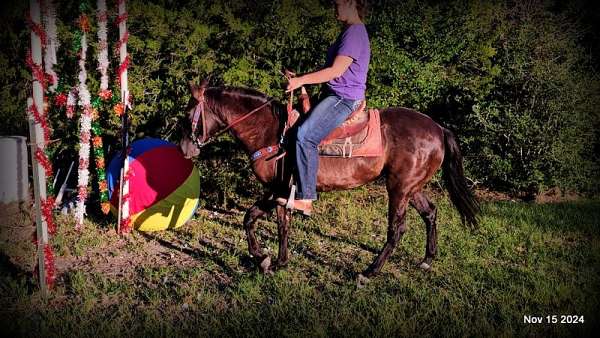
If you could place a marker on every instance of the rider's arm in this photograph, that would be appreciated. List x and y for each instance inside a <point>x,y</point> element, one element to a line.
<point>339,66</point>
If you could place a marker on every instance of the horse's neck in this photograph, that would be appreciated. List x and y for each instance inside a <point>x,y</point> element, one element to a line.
<point>258,130</point>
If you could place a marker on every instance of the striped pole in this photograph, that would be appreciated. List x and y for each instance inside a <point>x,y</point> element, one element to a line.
<point>123,224</point>
<point>37,142</point>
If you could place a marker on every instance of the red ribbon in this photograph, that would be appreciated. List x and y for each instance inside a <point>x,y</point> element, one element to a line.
<point>40,119</point>
<point>50,268</point>
<point>42,159</point>
<point>121,18</point>
<point>123,67</point>
<point>47,211</point>
<point>121,41</point>
<point>36,70</point>
<point>126,225</point>
<point>37,29</point>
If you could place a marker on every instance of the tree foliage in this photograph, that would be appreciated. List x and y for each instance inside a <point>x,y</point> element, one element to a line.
<point>515,81</point>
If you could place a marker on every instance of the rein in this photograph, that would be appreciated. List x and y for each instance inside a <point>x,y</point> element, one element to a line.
<point>199,113</point>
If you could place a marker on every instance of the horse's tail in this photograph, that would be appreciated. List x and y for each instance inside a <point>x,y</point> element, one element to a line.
<point>452,172</point>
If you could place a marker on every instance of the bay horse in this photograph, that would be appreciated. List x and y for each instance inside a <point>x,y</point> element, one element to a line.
<point>415,147</point>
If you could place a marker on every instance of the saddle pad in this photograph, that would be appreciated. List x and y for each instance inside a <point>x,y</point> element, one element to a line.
<point>366,143</point>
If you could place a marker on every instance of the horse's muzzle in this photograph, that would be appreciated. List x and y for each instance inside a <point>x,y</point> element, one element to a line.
<point>188,148</point>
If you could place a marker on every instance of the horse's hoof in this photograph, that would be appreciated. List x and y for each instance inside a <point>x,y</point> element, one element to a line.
<point>424,266</point>
<point>278,265</point>
<point>265,265</point>
<point>361,281</point>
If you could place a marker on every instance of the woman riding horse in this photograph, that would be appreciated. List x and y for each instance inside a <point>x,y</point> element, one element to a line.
<point>345,73</point>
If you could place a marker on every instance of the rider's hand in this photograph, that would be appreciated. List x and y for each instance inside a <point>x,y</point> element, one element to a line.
<point>293,83</point>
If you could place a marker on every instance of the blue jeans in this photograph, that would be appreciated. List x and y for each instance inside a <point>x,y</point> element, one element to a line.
<point>331,112</point>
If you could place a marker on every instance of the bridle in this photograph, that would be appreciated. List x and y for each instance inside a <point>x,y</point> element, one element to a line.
<point>199,113</point>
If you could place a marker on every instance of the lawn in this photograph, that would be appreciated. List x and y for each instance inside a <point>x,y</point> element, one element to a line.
<point>524,259</point>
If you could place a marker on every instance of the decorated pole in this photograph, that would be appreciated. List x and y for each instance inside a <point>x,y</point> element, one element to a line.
<point>104,94</point>
<point>85,123</point>
<point>36,131</point>
<point>123,224</point>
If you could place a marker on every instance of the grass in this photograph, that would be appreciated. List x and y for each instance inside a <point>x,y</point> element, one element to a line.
<point>525,259</point>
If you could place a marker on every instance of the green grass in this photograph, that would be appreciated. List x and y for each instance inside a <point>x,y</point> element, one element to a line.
<point>525,259</point>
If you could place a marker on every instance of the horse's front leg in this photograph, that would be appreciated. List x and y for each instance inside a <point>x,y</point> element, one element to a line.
<point>260,208</point>
<point>284,218</point>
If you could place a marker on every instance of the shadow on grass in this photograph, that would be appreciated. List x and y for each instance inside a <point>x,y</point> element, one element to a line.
<point>266,233</point>
<point>194,252</point>
<point>580,216</point>
<point>10,270</point>
<point>341,240</point>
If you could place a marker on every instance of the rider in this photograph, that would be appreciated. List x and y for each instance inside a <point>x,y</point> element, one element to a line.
<point>345,74</point>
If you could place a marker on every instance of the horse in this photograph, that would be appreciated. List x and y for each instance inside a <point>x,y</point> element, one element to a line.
<point>415,147</point>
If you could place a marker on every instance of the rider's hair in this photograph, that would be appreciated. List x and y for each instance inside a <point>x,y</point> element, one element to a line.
<point>361,8</point>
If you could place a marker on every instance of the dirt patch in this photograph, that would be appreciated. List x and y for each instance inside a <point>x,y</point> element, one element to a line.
<point>555,195</point>
<point>492,196</point>
<point>16,236</point>
<point>120,259</point>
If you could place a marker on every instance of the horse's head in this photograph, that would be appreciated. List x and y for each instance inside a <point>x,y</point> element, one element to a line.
<point>199,122</point>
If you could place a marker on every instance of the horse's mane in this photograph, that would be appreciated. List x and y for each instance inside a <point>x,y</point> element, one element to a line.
<point>241,92</point>
<point>248,93</point>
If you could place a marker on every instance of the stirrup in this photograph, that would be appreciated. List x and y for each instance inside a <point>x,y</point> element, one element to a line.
<point>290,201</point>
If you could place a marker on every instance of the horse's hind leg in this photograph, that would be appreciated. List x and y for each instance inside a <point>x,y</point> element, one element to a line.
<point>398,203</point>
<point>428,213</point>
<point>260,208</point>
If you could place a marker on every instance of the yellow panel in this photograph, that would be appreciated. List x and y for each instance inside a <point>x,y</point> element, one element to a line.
<point>172,211</point>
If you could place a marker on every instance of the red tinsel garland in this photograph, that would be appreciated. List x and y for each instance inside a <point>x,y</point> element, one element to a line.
<point>123,67</point>
<point>46,205</point>
<point>60,100</point>
<point>42,158</point>
<point>50,267</point>
<point>47,209</point>
<point>41,120</point>
<point>121,41</point>
<point>37,29</point>
<point>121,18</point>
<point>36,70</point>
<point>126,225</point>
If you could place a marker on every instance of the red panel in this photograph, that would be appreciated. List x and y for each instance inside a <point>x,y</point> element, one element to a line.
<point>154,175</point>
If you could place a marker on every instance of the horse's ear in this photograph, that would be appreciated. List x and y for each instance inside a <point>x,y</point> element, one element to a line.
<point>197,91</point>
<point>204,82</point>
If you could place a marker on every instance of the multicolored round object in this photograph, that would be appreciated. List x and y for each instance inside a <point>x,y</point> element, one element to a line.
<point>164,186</point>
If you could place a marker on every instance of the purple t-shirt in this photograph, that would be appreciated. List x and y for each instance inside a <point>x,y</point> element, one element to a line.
<point>352,42</point>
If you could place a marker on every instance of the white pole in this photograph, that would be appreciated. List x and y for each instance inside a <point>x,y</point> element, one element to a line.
<point>37,141</point>
<point>124,182</point>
